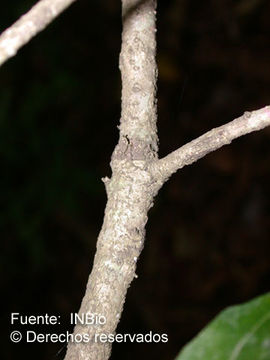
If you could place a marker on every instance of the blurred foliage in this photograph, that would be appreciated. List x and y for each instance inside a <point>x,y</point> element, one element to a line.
<point>207,240</point>
<point>240,332</point>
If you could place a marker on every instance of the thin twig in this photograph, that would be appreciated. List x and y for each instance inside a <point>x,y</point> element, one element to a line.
<point>30,24</point>
<point>210,141</point>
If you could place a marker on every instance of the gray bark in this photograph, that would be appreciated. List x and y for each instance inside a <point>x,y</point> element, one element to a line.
<point>212,140</point>
<point>131,188</point>
<point>30,24</point>
<point>137,173</point>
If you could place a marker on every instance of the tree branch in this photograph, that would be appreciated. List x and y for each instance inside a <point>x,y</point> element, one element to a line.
<point>138,133</point>
<point>30,24</point>
<point>137,175</point>
<point>212,140</point>
<point>130,190</point>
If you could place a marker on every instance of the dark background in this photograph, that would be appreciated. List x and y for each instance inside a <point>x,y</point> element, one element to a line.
<point>207,243</point>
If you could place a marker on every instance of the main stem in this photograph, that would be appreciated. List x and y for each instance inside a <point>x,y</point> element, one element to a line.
<point>137,175</point>
<point>131,188</point>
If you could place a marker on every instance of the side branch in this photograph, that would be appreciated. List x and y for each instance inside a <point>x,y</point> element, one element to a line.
<point>30,24</point>
<point>210,141</point>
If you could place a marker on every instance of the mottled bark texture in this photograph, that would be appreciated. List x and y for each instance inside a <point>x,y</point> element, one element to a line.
<point>137,173</point>
<point>210,141</point>
<point>30,24</point>
<point>131,188</point>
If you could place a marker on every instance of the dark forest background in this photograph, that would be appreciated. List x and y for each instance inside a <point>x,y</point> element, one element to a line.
<point>207,243</point>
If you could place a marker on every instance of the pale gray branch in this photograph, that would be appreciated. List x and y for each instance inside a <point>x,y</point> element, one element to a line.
<point>210,141</point>
<point>138,132</point>
<point>137,175</point>
<point>30,24</point>
<point>130,190</point>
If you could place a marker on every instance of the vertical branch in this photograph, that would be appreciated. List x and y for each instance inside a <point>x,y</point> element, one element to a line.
<point>139,74</point>
<point>137,174</point>
<point>130,190</point>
